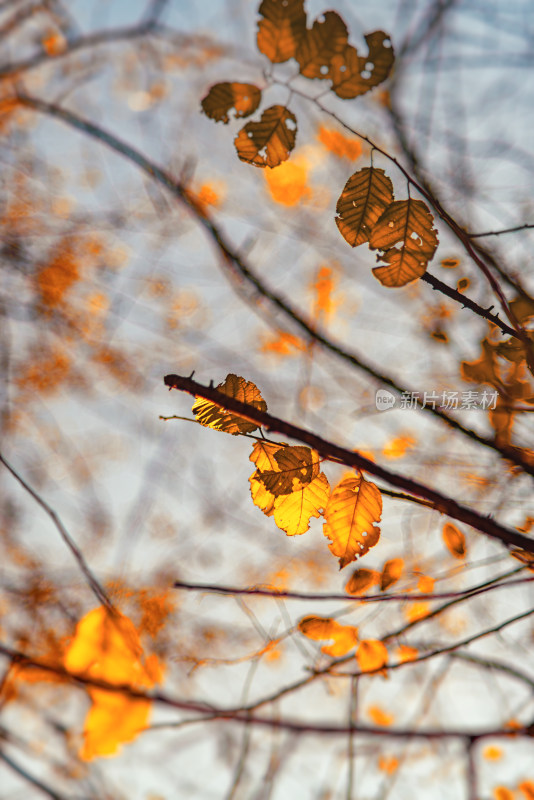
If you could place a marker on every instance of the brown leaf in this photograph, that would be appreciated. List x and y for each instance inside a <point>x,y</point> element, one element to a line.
<point>296,467</point>
<point>281,29</point>
<point>353,75</point>
<point>454,540</point>
<point>328,36</point>
<point>268,142</point>
<point>364,199</point>
<point>244,98</point>
<point>409,224</point>
<point>213,416</point>
<point>351,515</point>
<point>361,580</point>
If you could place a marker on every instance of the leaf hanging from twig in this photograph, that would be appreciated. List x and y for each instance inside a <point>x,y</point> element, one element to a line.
<point>365,197</point>
<point>351,515</point>
<point>244,98</point>
<point>268,142</point>
<point>328,36</point>
<point>408,224</point>
<point>281,29</point>
<point>353,75</point>
<point>213,416</point>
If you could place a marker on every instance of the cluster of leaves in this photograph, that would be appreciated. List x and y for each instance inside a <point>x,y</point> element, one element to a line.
<point>402,230</point>
<point>322,52</point>
<point>289,486</point>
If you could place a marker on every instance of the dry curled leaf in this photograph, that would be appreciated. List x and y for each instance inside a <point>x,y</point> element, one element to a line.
<point>454,540</point>
<point>345,637</point>
<point>406,235</point>
<point>268,142</point>
<point>351,515</point>
<point>281,29</point>
<point>213,416</point>
<point>243,98</point>
<point>362,202</point>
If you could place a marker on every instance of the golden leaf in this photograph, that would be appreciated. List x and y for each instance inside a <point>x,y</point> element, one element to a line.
<point>292,512</point>
<point>108,648</point>
<point>391,572</point>
<point>261,498</point>
<point>527,789</point>
<point>353,75</point>
<point>244,98</point>
<point>213,416</point>
<point>380,717</point>
<point>318,628</point>
<point>364,199</point>
<point>281,29</point>
<point>502,793</point>
<point>287,183</point>
<point>268,142</point>
<point>409,224</point>
<point>351,515</point>
<point>263,455</point>
<point>361,580</point>
<point>328,36</point>
<point>454,540</point>
<point>372,655</point>
<point>407,653</point>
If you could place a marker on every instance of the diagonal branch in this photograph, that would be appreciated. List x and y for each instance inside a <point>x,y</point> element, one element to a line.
<point>331,451</point>
<point>236,263</point>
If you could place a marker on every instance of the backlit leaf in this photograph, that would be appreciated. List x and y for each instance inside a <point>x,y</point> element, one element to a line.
<point>268,142</point>
<point>406,234</point>
<point>213,416</point>
<point>292,512</point>
<point>380,717</point>
<point>371,655</point>
<point>454,540</point>
<point>407,653</point>
<point>362,202</point>
<point>345,637</point>
<point>327,36</point>
<point>391,572</point>
<point>351,515</point>
<point>338,144</point>
<point>361,581</point>
<point>243,98</point>
<point>353,75</point>
<point>281,29</point>
<point>288,183</point>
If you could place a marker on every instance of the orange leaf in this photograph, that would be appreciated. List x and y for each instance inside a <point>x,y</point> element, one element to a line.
<point>268,142</point>
<point>338,144</point>
<point>391,573</point>
<point>213,416</point>
<point>406,235</point>
<point>351,515</point>
<point>492,753</point>
<point>380,717</point>
<point>454,540</point>
<point>364,199</point>
<point>527,788</point>
<point>345,637</point>
<point>416,611</point>
<point>425,584</point>
<point>361,580</point>
<point>407,653</point>
<point>244,98</point>
<point>281,29</point>
<point>108,648</point>
<point>388,765</point>
<point>288,182</point>
<point>372,655</point>
<point>397,447</point>
<point>502,793</point>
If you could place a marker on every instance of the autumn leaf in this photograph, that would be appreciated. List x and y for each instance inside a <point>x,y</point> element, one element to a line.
<point>485,369</point>
<point>107,648</point>
<point>407,653</point>
<point>213,416</point>
<point>345,637</point>
<point>502,793</point>
<point>281,29</point>
<point>327,36</point>
<point>353,75</point>
<point>351,515</point>
<point>388,765</point>
<point>371,655</point>
<point>287,183</point>
<point>454,540</point>
<point>527,789</point>
<point>362,202</point>
<point>408,224</point>
<point>338,144</point>
<point>292,512</point>
<point>296,467</point>
<point>268,142</point>
<point>380,717</point>
<point>243,98</point>
<point>362,580</point>
<point>391,573</point>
